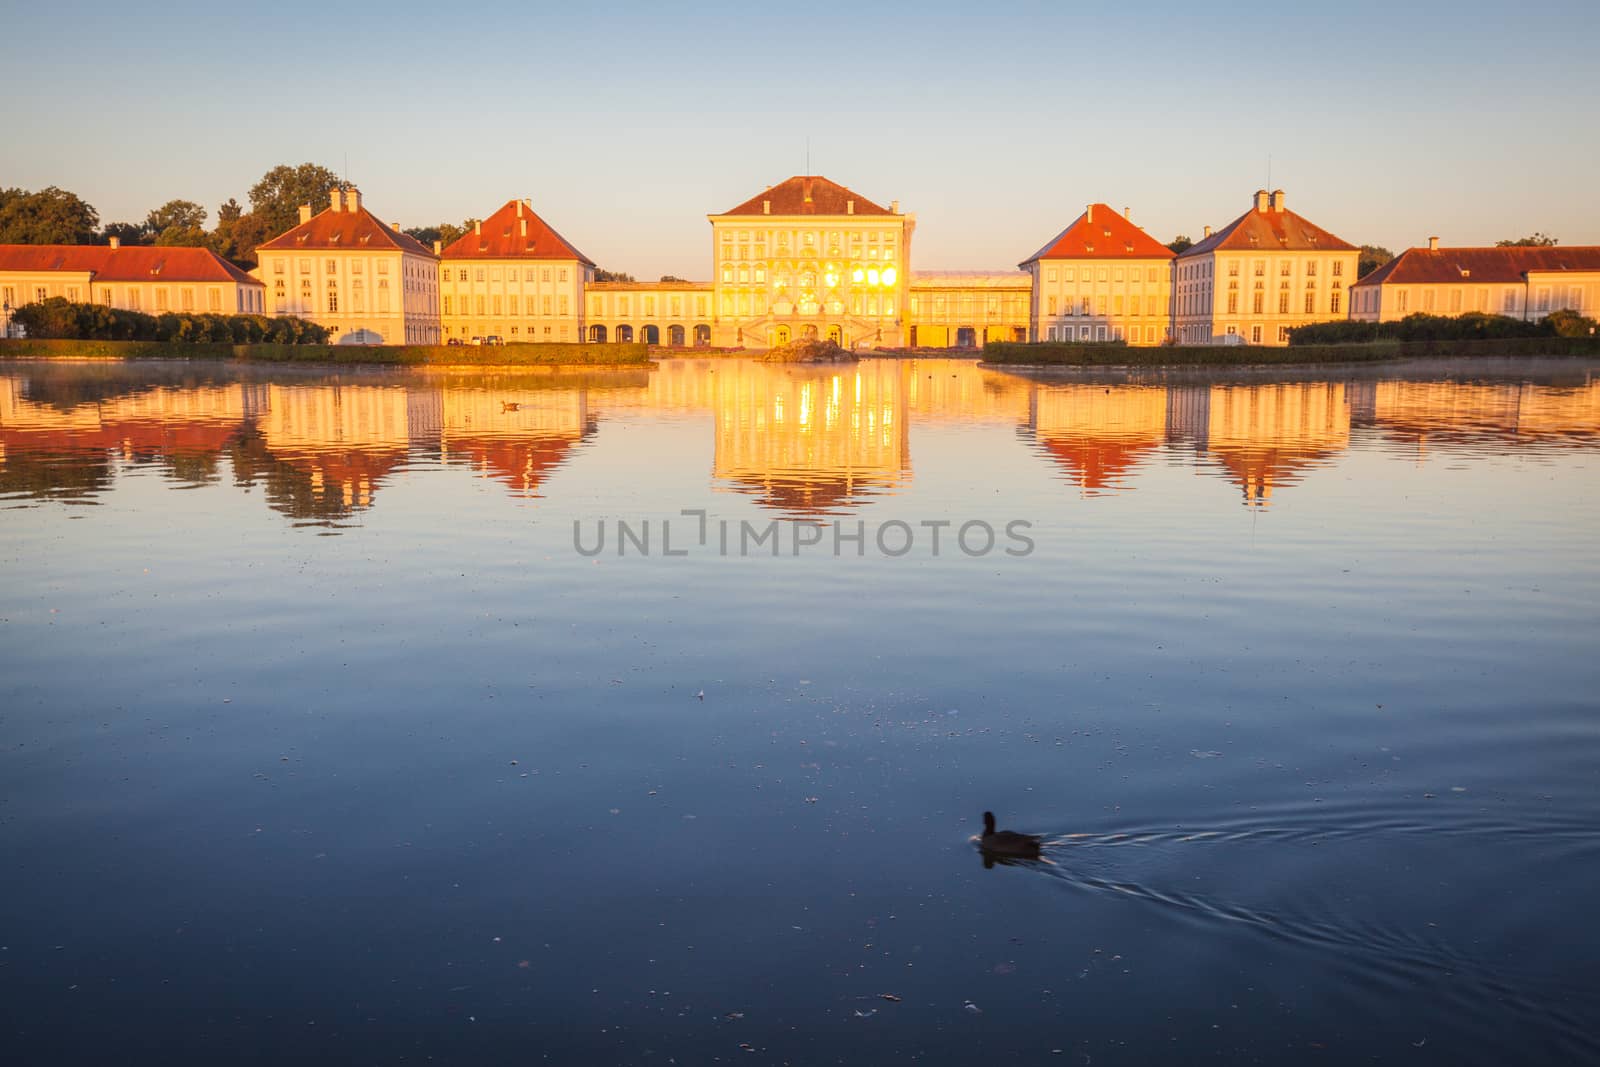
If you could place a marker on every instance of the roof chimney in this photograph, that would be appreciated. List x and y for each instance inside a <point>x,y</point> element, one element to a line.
<point>352,199</point>
<point>1127,213</point>
<point>1433,244</point>
<point>1263,199</point>
<point>477,227</point>
<point>116,242</point>
<point>1208,231</point>
<point>1278,200</point>
<point>1088,214</point>
<point>519,215</point>
<point>305,213</point>
<point>524,227</point>
<point>438,247</point>
<point>849,207</point>
<point>336,200</point>
<point>766,207</point>
<point>395,226</point>
<point>894,207</point>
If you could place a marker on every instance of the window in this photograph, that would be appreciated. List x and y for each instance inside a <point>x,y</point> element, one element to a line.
<point>1402,300</point>
<point>1283,302</point>
<point>461,275</point>
<point>305,266</point>
<point>1311,268</point>
<point>1050,306</point>
<point>479,275</point>
<point>1050,276</point>
<point>277,266</point>
<point>105,297</point>
<point>1427,300</point>
<point>383,267</point>
<point>161,299</point>
<point>1338,268</point>
<point>544,275</point>
<point>480,304</point>
<point>1285,268</point>
<point>447,305</point>
<point>1070,274</point>
<point>213,299</point>
<point>1283,335</point>
<point>333,299</point>
<point>1333,302</point>
<point>1507,305</point>
<point>497,304</point>
<point>1233,303</point>
<point>1233,270</point>
<point>1255,335</point>
<point>1261,267</point>
<point>1257,304</point>
<point>355,266</point>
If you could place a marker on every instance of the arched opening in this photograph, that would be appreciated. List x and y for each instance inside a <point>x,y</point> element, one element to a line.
<point>966,337</point>
<point>651,335</point>
<point>836,335</point>
<point>675,336</point>
<point>1019,334</point>
<point>779,335</point>
<point>597,334</point>
<point>702,335</point>
<point>624,334</point>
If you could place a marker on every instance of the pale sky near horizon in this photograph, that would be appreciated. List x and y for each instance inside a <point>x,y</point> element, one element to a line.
<point>626,124</point>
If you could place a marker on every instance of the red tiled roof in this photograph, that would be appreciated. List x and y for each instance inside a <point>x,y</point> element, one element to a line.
<point>1107,235</point>
<point>130,263</point>
<point>502,236</point>
<point>1098,464</point>
<point>1273,229</point>
<point>1436,265</point>
<point>808,194</point>
<point>356,229</point>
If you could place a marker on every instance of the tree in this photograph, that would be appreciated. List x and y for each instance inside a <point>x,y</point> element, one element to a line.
<point>603,275</point>
<point>1180,243</point>
<point>1538,240</point>
<point>673,278</point>
<point>277,197</point>
<point>445,233</point>
<point>178,222</point>
<point>129,233</point>
<point>1372,257</point>
<point>49,217</point>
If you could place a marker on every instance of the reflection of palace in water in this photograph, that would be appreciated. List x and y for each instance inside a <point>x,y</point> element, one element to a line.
<point>800,441</point>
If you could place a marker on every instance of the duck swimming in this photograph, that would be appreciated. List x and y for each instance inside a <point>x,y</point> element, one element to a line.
<point>1007,842</point>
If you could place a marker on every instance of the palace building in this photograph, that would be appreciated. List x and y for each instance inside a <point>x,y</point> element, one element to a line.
<point>367,282</point>
<point>810,258</point>
<point>1101,279</point>
<point>1519,281</point>
<point>1264,273</point>
<point>152,279</point>
<point>513,277</point>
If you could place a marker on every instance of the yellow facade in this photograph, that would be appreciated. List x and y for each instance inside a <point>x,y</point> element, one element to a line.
<point>512,278</point>
<point>151,280</point>
<point>676,314</point>
<point>344,269</point>
<point>1265,273</point>
<point>963,309</point>
<point>809,258</point>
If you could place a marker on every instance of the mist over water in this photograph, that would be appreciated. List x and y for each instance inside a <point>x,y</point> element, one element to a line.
<point>319,740</point>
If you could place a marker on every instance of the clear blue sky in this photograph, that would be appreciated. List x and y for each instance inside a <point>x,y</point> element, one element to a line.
<point>995,123</point>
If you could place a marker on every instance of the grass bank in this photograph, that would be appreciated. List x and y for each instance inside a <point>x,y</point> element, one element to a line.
<point>554,354</point>
<point>1062,354</point>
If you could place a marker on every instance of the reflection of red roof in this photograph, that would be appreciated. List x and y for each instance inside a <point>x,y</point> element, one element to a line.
<point>808,194</point>
<point>1274,229</point>
<point>344,466</point>
<point>513,232</point>
<point>1499,265</point>
<point>345,230</point>
<point>1097,463</point>
<point>805,495</point>
<point>139,435</point>
<point>1101,233</point>
<point>1266,468</point>
<point>522,463</point>
<point>130,263</point>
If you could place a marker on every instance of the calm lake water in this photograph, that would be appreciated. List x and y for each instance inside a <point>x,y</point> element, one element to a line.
<point>325,737</point>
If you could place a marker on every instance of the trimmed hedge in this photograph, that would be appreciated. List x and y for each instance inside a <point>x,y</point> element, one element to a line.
<point>1066,354</point>
<point>1472,326</point>
<point>552,354</point>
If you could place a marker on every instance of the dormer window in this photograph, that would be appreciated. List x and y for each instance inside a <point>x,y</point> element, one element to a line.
<point>1088,248</point>
<point>1466,273</point>
<point>365,238</point>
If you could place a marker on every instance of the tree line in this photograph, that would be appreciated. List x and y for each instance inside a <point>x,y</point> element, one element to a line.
<point>59,318</point>
<point>57,216</point>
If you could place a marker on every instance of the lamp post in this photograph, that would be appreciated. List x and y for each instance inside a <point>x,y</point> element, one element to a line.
<point>5,323</point>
